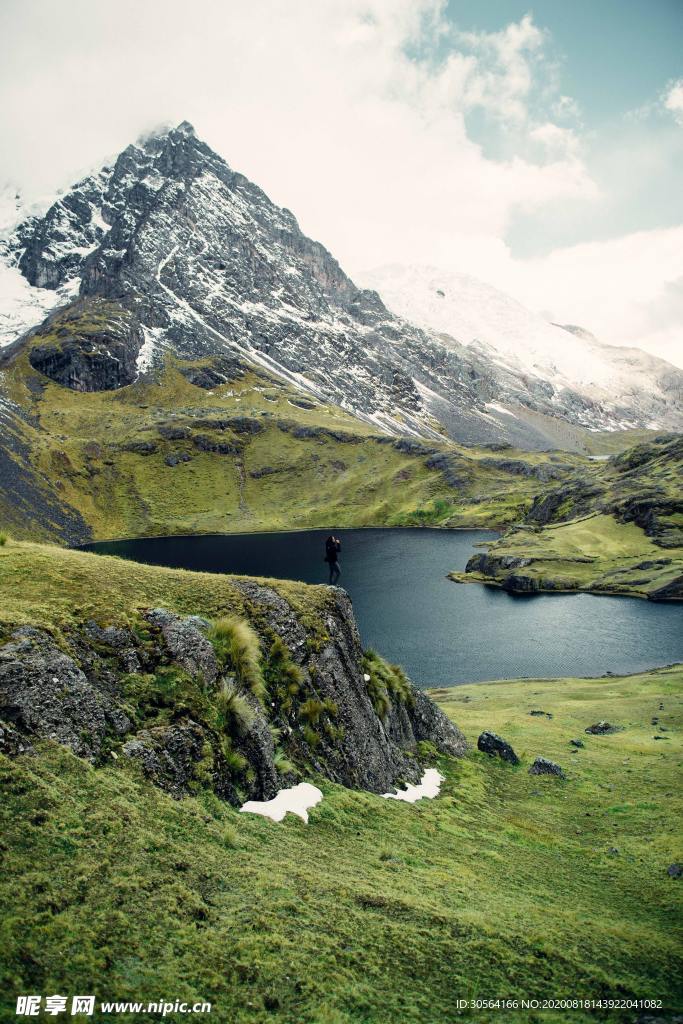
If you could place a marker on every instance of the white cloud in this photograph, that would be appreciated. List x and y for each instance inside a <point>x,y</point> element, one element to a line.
<point>673,100</point>
<point>555,139</point>
<point>503,72</point>
<point>627,290</point>
<point>341,111</point>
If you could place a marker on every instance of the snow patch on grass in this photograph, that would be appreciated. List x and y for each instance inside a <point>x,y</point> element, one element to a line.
<point>297,800</point>
<point>429,788</point>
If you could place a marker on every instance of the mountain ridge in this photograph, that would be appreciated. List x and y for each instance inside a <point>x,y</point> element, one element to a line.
<point>208,266</point>
<point>630,382</point>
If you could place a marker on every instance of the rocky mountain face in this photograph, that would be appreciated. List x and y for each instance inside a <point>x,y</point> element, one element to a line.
<point>202,264</point>
<point>88,346</point>
<point>160,696</point>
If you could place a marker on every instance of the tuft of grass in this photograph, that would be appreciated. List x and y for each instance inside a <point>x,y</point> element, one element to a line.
<point>3,539</point>
<point>283,677</point>
<point>233,708</point>
<point>311,736</point>
<point>387,683</point>
<point>234,761</point>
<point>311,710</point>
<point>238,648</point>
<point>282,763</point>
<point>230,836</point>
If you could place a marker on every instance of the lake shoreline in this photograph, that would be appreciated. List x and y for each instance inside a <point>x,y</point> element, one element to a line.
<point>408,610</point>
<point>93,544</point>
<point>545,590</point>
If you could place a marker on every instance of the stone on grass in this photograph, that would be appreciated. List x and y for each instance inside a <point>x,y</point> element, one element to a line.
<point>496,746</point>
<point>542,766</point>
<point>602,729</point>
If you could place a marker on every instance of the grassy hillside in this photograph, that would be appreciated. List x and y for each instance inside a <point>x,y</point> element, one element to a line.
<point>55,588</point>
<point>165,455</point>
<point>615,528</point>
<point>506,885</point>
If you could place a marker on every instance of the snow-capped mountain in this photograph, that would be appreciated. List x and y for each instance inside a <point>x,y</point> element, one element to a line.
<point>485,319</point>
<point>191,258</point>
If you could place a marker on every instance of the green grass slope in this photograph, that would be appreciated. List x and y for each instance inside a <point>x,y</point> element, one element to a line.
<point>56,588</point>
<point>615,528</point>
<point>96,464</point>
<point>376,911</point>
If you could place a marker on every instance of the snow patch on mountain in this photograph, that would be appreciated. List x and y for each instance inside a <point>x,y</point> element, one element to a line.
<point>21,305</point>
<point>465,310</point>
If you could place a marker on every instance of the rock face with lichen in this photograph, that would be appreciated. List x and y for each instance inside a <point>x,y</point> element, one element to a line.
<point>151,696</point>
<point>91,346</point>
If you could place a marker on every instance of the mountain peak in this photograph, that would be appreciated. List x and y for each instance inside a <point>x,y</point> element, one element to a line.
<point>161,133</point>
<point>185,128</point>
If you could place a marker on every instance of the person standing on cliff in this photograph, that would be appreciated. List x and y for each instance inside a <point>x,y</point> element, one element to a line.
<point>332,549</point>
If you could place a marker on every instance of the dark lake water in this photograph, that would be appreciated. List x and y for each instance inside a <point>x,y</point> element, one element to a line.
<point>443,633</point>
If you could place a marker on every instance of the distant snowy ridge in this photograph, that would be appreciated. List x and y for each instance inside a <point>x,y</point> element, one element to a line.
<point>481,317</point>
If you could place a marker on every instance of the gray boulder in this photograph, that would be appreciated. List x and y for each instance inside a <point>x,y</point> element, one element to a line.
<point>175,458</point>
<point>496,746</point>
<point>187,644</point>
<point>602,729</point>
<point>169,755</point>
<point>428,722</point>
<point>542,766</point>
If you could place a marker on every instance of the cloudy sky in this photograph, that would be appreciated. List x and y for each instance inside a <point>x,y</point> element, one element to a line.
<point>538,149</point>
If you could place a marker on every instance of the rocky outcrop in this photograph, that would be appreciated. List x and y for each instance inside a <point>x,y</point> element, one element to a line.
<point>89,346</point>
<point>186,642</point>
<point>671,591</point>
<point>491,564</point>
<point>653,514</point>
<point>573,499</point>
<point>156,696</point>
<point>221,370</point>
<point>542,471</point>
<point>168,755</point>
<point>44,694</point>
<point>26,496</point>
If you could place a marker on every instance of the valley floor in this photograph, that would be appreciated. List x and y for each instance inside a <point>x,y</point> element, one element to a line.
<point>505,886</point>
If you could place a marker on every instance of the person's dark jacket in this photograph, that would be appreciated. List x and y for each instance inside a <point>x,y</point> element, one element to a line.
<point>332,549</point>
